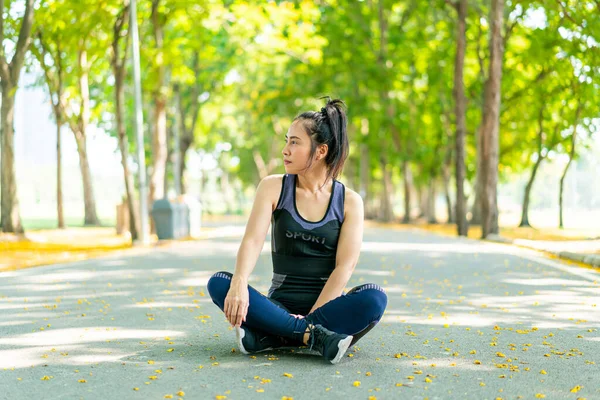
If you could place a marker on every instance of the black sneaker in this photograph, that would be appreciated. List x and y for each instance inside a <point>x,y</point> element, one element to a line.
<point>331,345</point>
<point>251,341</point>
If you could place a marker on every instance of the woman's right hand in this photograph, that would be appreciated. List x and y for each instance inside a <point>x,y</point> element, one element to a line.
<point>236,303</point>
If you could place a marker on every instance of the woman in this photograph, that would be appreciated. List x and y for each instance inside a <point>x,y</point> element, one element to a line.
<point>317,228</point>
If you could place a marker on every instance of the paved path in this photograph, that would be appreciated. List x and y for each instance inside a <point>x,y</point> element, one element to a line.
<point>465,320</point>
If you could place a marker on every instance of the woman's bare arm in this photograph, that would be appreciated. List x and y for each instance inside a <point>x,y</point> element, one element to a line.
<point>236,302</point>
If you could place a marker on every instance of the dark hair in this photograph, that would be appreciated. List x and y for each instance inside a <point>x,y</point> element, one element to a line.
<point>328,127</point>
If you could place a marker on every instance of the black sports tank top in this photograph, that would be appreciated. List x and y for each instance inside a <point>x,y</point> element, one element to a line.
<point>303,252</point>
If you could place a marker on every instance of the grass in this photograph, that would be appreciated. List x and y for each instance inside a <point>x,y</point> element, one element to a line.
<point>42,247</point>
<point>30,224</point>
<point>552,234</point>
<point>509,232</point>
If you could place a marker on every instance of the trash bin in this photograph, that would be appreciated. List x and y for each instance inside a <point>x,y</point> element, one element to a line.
<point>171,219</point>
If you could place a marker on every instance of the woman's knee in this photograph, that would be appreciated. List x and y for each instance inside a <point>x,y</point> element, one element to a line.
<point>218,284</point>
<point>376,297</point>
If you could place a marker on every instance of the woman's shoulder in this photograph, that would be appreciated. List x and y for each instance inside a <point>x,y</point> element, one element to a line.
<point>270,187</point>
<point>353,203</point>
<point>272,182</point>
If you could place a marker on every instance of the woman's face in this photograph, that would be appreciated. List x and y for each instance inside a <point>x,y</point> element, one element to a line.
<point>297,149</point>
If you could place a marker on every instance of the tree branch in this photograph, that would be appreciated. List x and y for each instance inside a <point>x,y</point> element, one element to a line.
<point>543,73</point>
<point>195,94</point>
<point>122,18</point>
<point>22,43</point>
<point>509,28</point>
<point>479,56</point>
<point>4,72</point>
<point>452,4</point>
<point>566,13</point>
<point>407,14</point>
<point>50,78</point>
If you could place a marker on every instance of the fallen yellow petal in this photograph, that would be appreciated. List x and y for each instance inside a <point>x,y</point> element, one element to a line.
<point>356,384</point>
<point>181,393</point>
<point>150,362</point>
<point>576,389</point>
<point>540,396</point>
<point>168,396</point>
<point>288,375</point>
<point>82,381</point>
<point>543,372</point>
<point>136,389</point>
<point>170,350</point>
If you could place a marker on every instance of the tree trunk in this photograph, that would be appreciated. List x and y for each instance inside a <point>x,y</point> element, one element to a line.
<point>169,163</point>
<point>431,217</point>
<point>185,144</point>
<point>479,181</point>
<point>422,193</point>
<point>571,157</point>
<point>491,123</point>
<point>364,178</point>
<point>91,218</point>
<point>525,211</point>
<point>187,132</point>
<point>460,110</point>
<point>159,136</point>
<point>118,63</point>
<point>540,143</point>
<point>446,178</point>
<point>159,149</point>
<point>387,212</point>
<point>9,81</point>
<point>59,191</point>
<point>260,164</point>
<point>226,192</point>
<point>11,220</point>
<point>561,224</point>
<point>134,218</point>
<point>407,175</point>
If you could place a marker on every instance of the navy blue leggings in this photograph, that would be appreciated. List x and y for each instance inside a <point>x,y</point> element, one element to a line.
<point>354,313</point>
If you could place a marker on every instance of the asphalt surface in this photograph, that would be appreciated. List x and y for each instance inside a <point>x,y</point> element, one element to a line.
<point>465,320</point>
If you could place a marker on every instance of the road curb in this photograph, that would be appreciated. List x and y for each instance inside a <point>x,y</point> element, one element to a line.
<point>589,259</point>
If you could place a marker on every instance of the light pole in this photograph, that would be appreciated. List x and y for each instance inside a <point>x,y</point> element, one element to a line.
<point>139,125</point>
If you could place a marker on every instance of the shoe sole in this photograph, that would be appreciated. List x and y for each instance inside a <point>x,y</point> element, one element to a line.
<point>342,347</point>
<point>240,334</point>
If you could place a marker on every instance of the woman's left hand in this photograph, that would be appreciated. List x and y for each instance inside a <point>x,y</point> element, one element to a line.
<point>297,316</point>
